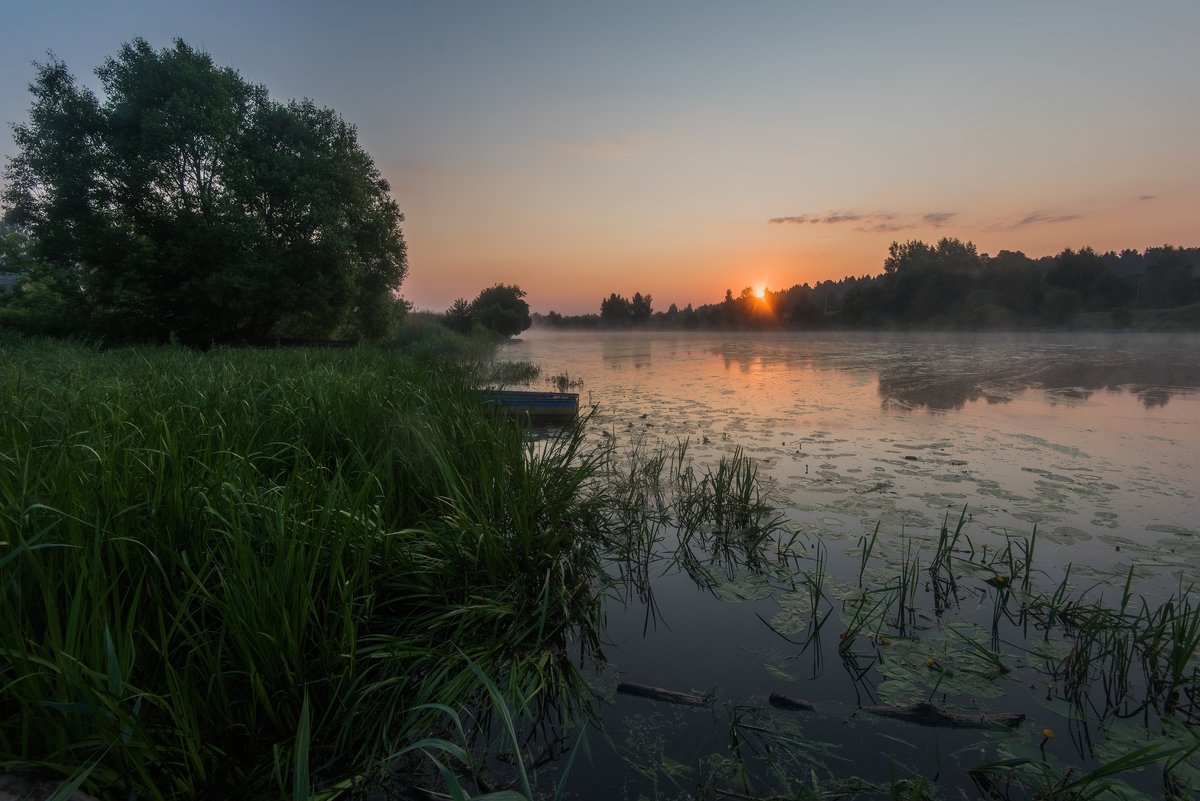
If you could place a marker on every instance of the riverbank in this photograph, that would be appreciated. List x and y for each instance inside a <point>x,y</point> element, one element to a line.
<point>254,573</point>
<point>268,573</point>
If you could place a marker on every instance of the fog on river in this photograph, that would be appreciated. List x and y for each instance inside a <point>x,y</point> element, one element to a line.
<point>1093,440</point>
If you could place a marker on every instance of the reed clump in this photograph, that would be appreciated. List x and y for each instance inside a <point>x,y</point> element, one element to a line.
<point>256,573</point>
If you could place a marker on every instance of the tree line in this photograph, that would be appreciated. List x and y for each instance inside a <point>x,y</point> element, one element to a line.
<point>184,203</point>
<point>947,285</point>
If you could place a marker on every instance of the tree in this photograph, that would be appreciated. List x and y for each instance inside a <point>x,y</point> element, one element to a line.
<point>34,298</point>
<point>1086,274</point>
<point>908,256</point>
<point>640,308</point>
<point>1168,279</point>
<point>188,202</point>
<point>1059,305</point>
<point>502,309</point>
<point>616,310</point>
<point>459,316</point>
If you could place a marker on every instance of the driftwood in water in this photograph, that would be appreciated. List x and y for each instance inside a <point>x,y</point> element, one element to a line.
<point>659,694</point>
<point>781,701</point>
<point>930,715</point>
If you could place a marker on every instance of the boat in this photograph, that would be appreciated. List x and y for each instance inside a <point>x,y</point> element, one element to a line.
<point>536,407</point>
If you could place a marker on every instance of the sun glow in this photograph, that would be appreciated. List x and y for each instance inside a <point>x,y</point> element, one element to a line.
<point>760,292</point>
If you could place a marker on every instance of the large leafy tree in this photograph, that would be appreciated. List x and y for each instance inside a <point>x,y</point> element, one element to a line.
<point>502,309</point>
<point>186,201</point>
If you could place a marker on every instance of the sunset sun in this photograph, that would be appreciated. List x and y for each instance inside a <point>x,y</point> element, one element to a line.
<point>420,354</point>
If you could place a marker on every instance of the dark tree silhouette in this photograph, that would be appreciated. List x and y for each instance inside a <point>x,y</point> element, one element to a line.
<point>187,202</point>
<point>502,309</point>
<point>459,316</point>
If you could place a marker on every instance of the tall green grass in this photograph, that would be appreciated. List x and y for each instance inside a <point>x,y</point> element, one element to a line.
<point>240,573</point>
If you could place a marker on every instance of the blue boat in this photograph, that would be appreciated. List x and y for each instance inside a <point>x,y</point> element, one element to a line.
<point>536,407</point>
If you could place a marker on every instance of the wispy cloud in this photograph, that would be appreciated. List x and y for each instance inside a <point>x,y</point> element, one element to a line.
<point>1147,197</point>
<point>1040,217</point>
<point>870,222</point>
<point>875,222</point>
<point>618,146</point>
<point>937,219</point>
<point>830,217</point>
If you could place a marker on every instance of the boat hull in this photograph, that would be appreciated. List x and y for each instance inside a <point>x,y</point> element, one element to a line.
<point>537,407</point>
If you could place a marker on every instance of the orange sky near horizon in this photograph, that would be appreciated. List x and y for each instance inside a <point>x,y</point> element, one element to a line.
<point>583,149</point>
<point>780,255</point>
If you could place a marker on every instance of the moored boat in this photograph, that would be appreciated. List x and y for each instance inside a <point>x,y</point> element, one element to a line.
<point>537,407</point>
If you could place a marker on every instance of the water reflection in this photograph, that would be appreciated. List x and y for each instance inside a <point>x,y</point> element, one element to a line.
<point>943,375</point>
<point>1094,442</point>
<point>621,353</point>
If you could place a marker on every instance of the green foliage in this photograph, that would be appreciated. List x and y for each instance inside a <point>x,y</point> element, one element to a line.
<point>459,317</point>
<point>1086,273</point>
<point>502,309</point>
<point>425,335</point>
<point>16,258</point>
<point>1170,278</point>
<point>1060,305</point>
<point>239,572</point>
<point>187,202</point>
<point>437,748</point>
<point>35,298</point>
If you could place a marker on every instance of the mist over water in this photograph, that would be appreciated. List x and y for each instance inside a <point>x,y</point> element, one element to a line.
<point>1093,440</point>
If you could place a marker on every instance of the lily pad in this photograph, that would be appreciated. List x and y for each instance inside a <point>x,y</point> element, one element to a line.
<point>795,613</point>
<point>939,665</point>
<point>742,585</point>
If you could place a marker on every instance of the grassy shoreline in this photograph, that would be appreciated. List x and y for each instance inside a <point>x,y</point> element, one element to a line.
<point>283,573</point>
<point>251,572</point>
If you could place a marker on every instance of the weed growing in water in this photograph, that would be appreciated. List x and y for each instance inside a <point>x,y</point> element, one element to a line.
<point>563,382</point>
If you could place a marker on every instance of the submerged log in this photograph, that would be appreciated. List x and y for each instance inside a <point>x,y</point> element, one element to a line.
<point>659,694</point>
<point>781,701</point>
<point>929,715</point>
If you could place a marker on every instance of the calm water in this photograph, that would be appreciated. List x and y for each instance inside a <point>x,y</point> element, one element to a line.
<point>1096,442</point>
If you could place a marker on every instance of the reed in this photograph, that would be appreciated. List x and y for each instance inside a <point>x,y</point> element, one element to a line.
<point>865,546</point>
<point>245,572</point>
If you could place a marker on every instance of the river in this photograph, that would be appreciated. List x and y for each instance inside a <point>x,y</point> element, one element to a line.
<point>1094,441</point>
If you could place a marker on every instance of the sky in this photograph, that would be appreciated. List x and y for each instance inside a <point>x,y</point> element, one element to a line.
<point>679,149</point>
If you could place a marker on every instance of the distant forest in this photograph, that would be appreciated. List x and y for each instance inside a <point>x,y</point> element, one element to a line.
<point>949,285</point>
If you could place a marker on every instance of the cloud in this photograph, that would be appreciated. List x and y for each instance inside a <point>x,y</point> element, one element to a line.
<point>1033,218</point>
<point>1147,197</point>
<point>869,222</point>
<point>938,218</point>
<point>885,227</point>
<point>831,217</point>
<point>834,218</point>
<point>1042,217</point>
